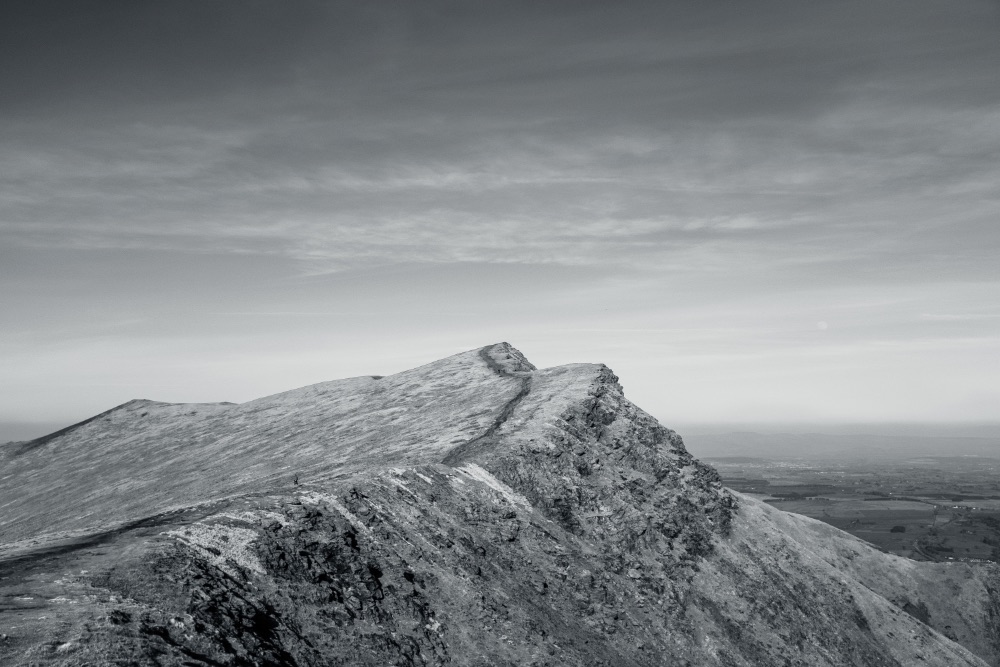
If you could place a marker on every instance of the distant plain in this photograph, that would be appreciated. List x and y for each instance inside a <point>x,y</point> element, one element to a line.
<point>929,492</point>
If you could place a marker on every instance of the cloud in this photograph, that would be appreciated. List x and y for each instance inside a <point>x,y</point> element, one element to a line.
<point>656,138</point>
<point>731,176</point>
<point>959,317</point>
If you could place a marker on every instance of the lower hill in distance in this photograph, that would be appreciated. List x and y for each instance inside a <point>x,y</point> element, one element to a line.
<point>473,511</point>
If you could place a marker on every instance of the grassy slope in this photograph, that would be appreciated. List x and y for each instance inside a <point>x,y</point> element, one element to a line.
<point>145,458</point>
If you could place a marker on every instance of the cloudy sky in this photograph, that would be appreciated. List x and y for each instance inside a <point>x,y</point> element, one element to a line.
<point>752,211</point>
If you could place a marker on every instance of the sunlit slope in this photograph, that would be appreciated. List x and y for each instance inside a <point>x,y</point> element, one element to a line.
<point>784,580</point>
<point>146,457</point>
<point>959,600</point>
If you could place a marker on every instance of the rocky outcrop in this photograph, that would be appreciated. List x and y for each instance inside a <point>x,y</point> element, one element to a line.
<point>564,527</point>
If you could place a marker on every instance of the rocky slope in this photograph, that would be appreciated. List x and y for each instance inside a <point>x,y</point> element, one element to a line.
<point>475,511</point>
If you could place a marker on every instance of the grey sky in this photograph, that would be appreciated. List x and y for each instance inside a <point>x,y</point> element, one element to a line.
<point>750,210</point>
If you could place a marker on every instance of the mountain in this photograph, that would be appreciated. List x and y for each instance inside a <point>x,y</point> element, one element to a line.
<point>473,511</point>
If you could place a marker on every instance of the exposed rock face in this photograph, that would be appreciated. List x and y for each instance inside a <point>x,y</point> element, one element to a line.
<point>475,511</point>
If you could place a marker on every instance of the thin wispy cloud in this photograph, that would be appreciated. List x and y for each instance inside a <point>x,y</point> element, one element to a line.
<point>959,317</point>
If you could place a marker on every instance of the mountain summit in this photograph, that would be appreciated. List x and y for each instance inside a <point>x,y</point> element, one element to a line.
<point>473,511</point>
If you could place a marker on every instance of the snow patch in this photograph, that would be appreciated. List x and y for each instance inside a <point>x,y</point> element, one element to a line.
<point>221,545</point>
<point>480,474</point>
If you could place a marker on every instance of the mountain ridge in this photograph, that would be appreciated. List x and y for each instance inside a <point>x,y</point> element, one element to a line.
<point>473,511</point>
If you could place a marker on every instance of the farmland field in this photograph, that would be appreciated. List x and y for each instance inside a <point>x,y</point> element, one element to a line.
<point>927,508</point>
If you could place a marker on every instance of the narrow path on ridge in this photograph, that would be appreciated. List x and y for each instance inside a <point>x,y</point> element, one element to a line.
<point>466,450</point>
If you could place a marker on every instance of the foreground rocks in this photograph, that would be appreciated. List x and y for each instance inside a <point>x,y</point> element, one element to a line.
<point>476,511</point>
